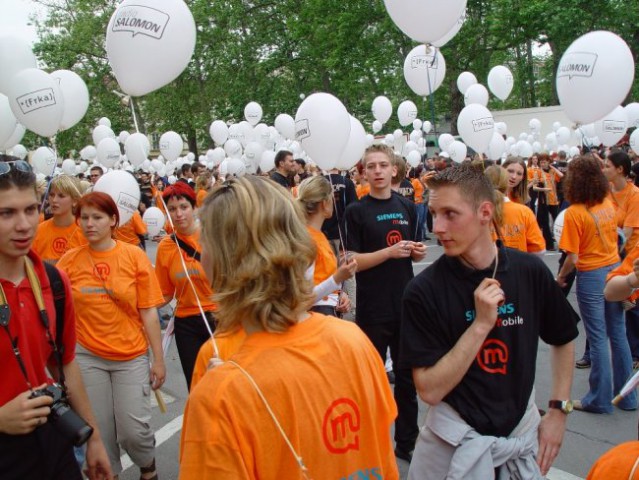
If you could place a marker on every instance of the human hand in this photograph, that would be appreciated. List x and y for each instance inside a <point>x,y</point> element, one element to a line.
<point>98,464</point>
<point>401,249</point>
<point>419,251</point>
<point>344,304</point>
<point>551,435</point>
<point>23,414</point>
<point>345,271</point>
<point>561,281</point>
<point>488,297</point>
<point>158,373</point>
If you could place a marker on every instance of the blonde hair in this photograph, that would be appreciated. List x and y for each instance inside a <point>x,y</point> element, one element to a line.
<point>259,251</point>
<point>498,176</point>
<point>67,185</point>
<point>378,148</point>
<point>313,191</point>
<point>202,182</point>
<point>400,163</point>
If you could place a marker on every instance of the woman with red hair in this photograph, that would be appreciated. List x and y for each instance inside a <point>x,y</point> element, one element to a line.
<point>116,296</point>
<point>178,255</point>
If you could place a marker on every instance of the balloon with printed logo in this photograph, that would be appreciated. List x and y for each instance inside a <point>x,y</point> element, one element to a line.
<point>137,148</point>
<point>76,97</point>
<point>634,141</point>
<point>108,152</point>
<point>424,70</point>
<point>452,32</point>
<point>253,113</point>
<point>15,55</point>
<point>612,127</point>
<point>457,151</point>
<point>149,43</point>
<point>123,188</point>
<point>476,126</point>
<point>171,145</point>
<point>496,147</point>
<point>425,21</point>
<point>43,160</point>
<point>465,80</point>
<point>382,109</point>
<point>323,127</point>
<point>632,111</point>
<point>285,125</point>
<point>15,137</point>
<point>8,122</point>
<point>444,140</point>
<point>36,101</point>
<point>476,94</point>
<point>219,132</point>
<point>406,113</point>
<point>355,147</point>
<point>500,82</point>
<point>594,75</point>
<point>154,220</point>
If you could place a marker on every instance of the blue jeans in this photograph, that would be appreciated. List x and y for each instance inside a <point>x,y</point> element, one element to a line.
<point>604,323</point>
<point>421,213</point>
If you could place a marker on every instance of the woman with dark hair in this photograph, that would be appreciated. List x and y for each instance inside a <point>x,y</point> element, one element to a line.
<point>116,294</point>
<point>545,184</point>
<point>173,264</point>
<point>517,179</point>
<point>590,240</point>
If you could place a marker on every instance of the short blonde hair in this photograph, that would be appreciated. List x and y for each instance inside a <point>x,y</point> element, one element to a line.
<point>67,185</point>
<point>313,191</point>
<point>378,148</point>
<point>259,251</point>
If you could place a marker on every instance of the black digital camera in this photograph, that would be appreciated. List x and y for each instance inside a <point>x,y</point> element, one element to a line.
<point>68,423</point>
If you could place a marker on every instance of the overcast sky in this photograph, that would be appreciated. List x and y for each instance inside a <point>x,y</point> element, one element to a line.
<point>14,19</point>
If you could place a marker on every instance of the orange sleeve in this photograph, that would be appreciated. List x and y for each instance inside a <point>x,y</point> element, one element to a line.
<point>201,195</point>
<point>139,227</point>
<point>163,258</point>
<point>572,232</point>
<point>149,294</point>
<point>534,238</point>
<point>227,345</point>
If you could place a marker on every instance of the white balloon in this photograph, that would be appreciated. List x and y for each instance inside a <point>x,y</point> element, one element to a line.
<point>397,134</point>
<point>137,149</point>
<point>382,109</point>
<point>15,137</point>
<point>104,121</point>
<point>235,166</point>
<point>43,159</point>
<point>219,132</point>
<point>634,141</point>
<point>190,157</point>
<point>377,126</point>
<point>88,153</point>
<point>233,148</point>
<point>424,70</point>
<point>475,125</point>
<point>369,140</point>
<point>406,113</point>
<point>523,136</point>
<point>415,135</point>
<point>417,124</point>
<point>323,127</point>
<point>525,149</point>
<point>154,220</point>
<point>501,128</point>
<point>425,21</point>
<point>355,147</point>
<point>476,94</point>
<point>496,147</point>
<point>36,101</point>
<point>465,80</point>
<point>123,136</point>
<point>534,125</point>
<point>452,32</point>
<point>171,145</point>
<point>536,147</point>
<point>510,141</point>
<point>15,56</point>
<point>500,82</point>
<point>632,111</point>
<point>267,162</point>
<point>172,179</point>
<point>594,75</point>
<point>100,133</point>
<point>413,158</point>
<point>285,125</point>
<point>457,151</point>
<point>123,188</point>
<point>253,113</point>
<point>8,122</point>
<point>108,152</point>
<point>573,152</point>
<point>253,153</point>
<point>563,135</point>
<point>612,127</point>
<point>427,126</point>
<point>76,97</point>
<point>409,147</point>
<point>21,152</point>
<point>558,225</point>
<point>444,141</point>
<point>149,43</point>
<point>68,166</point>
<point>556,126</point>
<point>389,140</point>
<point>218,155</point>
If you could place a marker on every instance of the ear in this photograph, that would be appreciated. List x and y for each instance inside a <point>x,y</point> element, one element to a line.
<point>485,212</point>
<point>394,170</point>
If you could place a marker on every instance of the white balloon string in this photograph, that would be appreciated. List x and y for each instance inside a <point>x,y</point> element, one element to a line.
<point>339,227</point>
<point>188,277</point>
<point>431,99</point>
<point>135,118</point>
<point>55,163</point>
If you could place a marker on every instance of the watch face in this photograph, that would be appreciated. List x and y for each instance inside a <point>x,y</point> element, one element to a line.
<point>567,406</point>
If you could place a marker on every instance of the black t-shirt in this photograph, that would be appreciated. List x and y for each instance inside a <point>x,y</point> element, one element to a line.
<point>635,169</point>
<point>344,194</point>
<point>562,166</point>
<point>277,177</point>
<point>407,190</point>
<point>371,225</point>
<point>438,307</point>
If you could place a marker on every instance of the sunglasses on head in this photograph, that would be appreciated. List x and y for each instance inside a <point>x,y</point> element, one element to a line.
<point>19,165</point>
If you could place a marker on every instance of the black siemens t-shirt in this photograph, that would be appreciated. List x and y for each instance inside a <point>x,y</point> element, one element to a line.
<point>438,307</point>
<point>371,225</point>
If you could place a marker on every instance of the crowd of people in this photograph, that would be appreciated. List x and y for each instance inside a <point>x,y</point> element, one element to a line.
<point>261,274</point>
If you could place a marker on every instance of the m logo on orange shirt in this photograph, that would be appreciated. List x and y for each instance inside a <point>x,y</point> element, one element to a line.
<point>102,270</point>
<point>60,245</point>
<point>393,237</point>
<point>341,425</point>
<point>493,356</point>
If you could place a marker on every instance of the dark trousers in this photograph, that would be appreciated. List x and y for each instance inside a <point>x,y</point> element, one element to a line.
<point>326,310</point>
<point>383,336</point>
<point>543,210</point>
<point>632,331</point>
<point>190,335</point>
<point>40,455</point>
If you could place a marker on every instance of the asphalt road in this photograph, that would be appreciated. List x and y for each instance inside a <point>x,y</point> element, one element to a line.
<point>587,437</point>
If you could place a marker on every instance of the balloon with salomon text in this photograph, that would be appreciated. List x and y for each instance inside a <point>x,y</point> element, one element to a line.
<point>8,122</point>
<point>154,220</point>
<point>425,21</point>
<point>15,56</point>
<point>36,101</point>
<point>476,126</point>
<point>323,127</point>
<point>14,138</point>
<point>43,160</point>
<point>612,127</point>
<point>149,43</point>
<point>465,80</point>
<point>594,75</point>
<point>76,97</point>
<point>355,147</point>
<point>108,152</point>
<point>476,94</point>
<point>171,145</point>
<point>424,70</point>
<point>253,113</point>
<point>382,109</point>
<point>123,188</point>
<point>500,82</point>
<point>137,148</point>
<point>406,113</point>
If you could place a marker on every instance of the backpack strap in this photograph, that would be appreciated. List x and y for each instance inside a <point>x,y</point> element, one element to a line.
<point>59,297</point>
<point>188,249</point>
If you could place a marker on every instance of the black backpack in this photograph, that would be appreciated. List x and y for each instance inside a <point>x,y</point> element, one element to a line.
<point>59,295</point>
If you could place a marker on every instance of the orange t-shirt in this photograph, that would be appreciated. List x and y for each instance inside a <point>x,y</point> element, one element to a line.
<point>419,190</point>
<point>520,229</point>
<point>200,196</point>
<point>334,403</point>
<point>325,261</point>
<point>549,180</point>
<point>582,237</point>
<point>362,190</point>
<point>626,203</point>
<point>173,281</point>
<point>130,230</point>
<point>51,241</point>
<point>626,268</point>
<point>109,288</point>
<point>617,463</point>
<point>227,344</point>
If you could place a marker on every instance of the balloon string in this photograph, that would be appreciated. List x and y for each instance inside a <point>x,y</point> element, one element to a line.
<point>55,164</point>
<point>431,99</point>
<point>188,277</point>
<point>135,118</point>
<point>339,224</point>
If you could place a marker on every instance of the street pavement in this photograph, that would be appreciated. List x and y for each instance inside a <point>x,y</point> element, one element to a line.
<point>587,437</point>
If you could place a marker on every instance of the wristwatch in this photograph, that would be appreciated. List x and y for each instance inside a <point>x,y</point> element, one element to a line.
<point>563,405</point>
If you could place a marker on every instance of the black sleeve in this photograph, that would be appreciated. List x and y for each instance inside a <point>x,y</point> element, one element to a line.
<point>558,324</point>
<point>353,228</point>
<point>351,192</point>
